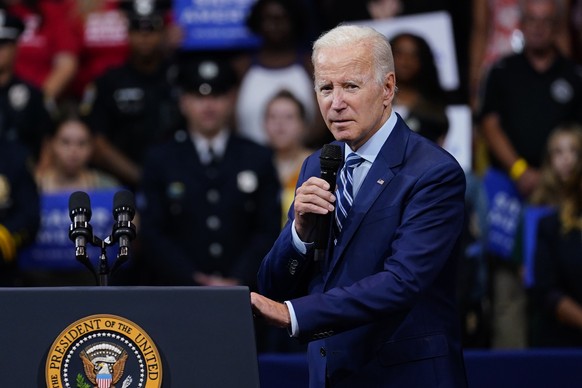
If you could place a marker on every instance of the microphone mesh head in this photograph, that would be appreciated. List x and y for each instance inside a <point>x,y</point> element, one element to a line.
<point>331,157</point>
<point>123,201</point>
<point>79,202</point>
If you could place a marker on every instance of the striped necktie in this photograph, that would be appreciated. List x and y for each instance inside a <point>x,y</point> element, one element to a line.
<point>344,192</point>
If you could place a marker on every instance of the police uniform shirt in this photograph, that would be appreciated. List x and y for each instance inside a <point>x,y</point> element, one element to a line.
<point>133,110</point>
<point>23,116</point>
<point>217,218</point>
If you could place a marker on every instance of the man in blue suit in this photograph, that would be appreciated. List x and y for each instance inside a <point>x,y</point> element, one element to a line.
<point>380,309</point>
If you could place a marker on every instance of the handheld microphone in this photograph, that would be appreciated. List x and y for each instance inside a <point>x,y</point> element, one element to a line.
<point>330,160</point>
<point>80,231</point>
<point>123,229</point>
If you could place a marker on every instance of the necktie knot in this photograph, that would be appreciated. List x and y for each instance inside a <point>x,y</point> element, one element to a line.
<point>353,160</point>
<point>211,157</point>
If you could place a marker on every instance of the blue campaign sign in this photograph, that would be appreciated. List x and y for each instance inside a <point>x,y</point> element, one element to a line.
<point>214,24</point>
<point>503,213</point>
<point>53,249</point>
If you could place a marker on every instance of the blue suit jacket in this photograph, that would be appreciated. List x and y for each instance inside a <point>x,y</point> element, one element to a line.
<point>381,309</point>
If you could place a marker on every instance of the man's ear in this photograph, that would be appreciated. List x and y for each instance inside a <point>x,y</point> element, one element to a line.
<point>389,88</point>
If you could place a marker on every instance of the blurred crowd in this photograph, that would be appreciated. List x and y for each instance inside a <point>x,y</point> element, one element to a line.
<point>101,94</point>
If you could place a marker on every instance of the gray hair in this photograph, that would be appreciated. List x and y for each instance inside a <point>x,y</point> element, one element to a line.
<point>353,35</point>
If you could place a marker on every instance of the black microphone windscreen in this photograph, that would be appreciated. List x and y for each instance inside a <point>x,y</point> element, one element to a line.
<point>123,201</point>
<point>79,202</point>
<point>331,157</point>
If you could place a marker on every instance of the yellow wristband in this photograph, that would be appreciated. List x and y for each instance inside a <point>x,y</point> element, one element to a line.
<point>7,245</point>
<point>517,169</point>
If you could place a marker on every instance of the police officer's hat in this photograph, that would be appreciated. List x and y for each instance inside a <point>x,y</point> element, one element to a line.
<point>10,27</point>
<point>207,76</point>
<point>145,15</point>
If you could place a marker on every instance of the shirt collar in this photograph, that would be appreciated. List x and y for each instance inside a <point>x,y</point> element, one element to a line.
<point>217,143</point>
<point>371,148</point>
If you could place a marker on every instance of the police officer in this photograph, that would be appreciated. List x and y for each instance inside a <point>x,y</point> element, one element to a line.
<point>19,207</point>
<point>133,106</point>
<point>23,116</point>
<point>211,198</point>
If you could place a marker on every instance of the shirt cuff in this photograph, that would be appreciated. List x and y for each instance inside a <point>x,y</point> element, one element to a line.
<point>300,246</point>
<point>294,332</point>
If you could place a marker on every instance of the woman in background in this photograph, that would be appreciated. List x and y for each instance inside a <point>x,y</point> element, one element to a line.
<point>559,170</point>
<point>70,149</point>
<point>285,126</point>
<point>421,99</point>
<point>557,289</point>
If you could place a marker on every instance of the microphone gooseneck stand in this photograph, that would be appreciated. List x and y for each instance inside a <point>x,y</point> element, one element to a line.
<point>81,233</point>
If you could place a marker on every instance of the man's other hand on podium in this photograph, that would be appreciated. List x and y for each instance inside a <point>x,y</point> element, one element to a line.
<point>275,313</point>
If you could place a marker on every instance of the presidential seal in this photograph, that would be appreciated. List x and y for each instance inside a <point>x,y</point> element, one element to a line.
<point>103,351</point>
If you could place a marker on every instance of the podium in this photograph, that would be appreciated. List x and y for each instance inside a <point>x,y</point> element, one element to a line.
<point>132,336</point>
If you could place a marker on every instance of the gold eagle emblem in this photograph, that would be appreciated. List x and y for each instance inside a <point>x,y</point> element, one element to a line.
<point>104,358</point>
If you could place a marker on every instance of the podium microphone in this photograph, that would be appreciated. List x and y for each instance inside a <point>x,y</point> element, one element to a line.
<point>330,160</point>
<point>123,229</point>
<point>81,231</point>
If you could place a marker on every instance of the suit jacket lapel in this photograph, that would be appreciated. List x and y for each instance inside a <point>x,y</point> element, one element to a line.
<point>378,179</point>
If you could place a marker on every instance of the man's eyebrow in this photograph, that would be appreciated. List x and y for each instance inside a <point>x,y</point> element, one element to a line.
<point>319,83</point>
